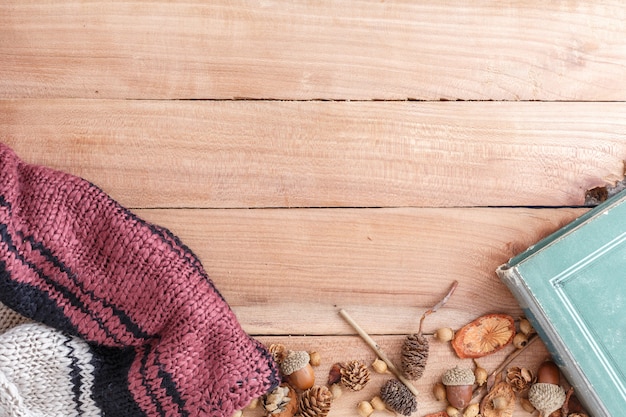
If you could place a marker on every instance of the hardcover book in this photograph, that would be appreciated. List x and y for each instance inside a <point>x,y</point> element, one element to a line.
<point>572,287</point>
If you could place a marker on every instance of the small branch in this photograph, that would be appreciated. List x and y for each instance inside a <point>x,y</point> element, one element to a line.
<point>379,352</point>
<point>565,407</point>
<point>505,363</point>
<point>514,355</point>
<point>440,304</point>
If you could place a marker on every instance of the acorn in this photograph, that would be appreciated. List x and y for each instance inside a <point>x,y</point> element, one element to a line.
<point>459,386</point>
<point>547,395</point>
<point>297,370</point>
<point>549,373</point>
<point>546,398</point>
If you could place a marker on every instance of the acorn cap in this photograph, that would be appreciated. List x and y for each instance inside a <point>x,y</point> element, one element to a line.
<point>294,361</point>
<point>458,376</point>
<point>546,397</point>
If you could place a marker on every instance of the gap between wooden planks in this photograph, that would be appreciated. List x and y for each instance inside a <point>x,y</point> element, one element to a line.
<point>246,154</point>
<point>357,50</point>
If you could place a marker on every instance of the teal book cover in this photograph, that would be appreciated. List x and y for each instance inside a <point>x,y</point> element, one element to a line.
<point>572,287</point>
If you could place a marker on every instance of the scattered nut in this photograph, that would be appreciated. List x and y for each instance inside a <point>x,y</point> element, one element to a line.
<point>315,359</point>
<point>238,413</point>
<point>439,391</point>
<point>453,412</point>
<point>520,340</point>
<point>378,403</point>
<point>444,334</point>
<point>472,410</point>
<point>481,374</point>
<point>365,409</point>
<point>379,366</point>
<point>334,375</point>
<point>525,327</point>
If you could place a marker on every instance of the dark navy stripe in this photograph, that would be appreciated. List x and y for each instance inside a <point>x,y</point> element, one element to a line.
<point>275,378</point>
<point>144,382</point>
<point>69,296</point>
<point>111,391</point>
<point>170,389</point>
<point>4,202</point>
<point>75,376</point>
<point>130,325</point>
<point>32,302</point>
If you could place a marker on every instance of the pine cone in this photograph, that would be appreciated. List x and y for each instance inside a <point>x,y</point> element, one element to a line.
<point>354,375</point>
<point>315,402</point>
<point>278,351</point>
<point>398,397</point>
<point>520,379</point>
<point>414,356</point>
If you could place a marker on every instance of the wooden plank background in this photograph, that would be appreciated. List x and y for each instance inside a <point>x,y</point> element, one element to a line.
<point>357,154</point>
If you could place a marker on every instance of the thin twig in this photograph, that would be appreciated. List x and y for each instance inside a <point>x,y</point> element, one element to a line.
<point>440,304</point>
<point>565,407</point>
<point>379,352</point>
<point>511,356</point>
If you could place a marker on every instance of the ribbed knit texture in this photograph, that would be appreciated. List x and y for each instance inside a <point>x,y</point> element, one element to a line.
<point>121,303</point>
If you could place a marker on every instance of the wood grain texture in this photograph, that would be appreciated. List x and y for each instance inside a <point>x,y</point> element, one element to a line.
<point>325,154</point>
<point>357,50</point>
<point>312,154</point>
<point>288,271</point>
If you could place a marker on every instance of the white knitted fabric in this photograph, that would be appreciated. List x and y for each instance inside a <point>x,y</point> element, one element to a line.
<point>43,372</point>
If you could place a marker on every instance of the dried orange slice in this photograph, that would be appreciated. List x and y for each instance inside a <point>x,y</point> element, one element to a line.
<point>485,335</point>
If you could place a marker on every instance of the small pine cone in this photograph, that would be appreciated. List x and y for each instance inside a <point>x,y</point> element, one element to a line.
<point>398,397</point>
<point>315,402</point>
<point>278,352</point>
<point>354,375</point>
<point>414,356</point>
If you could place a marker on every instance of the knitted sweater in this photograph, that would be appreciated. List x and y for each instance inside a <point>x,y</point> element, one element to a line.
<point>123,319</point>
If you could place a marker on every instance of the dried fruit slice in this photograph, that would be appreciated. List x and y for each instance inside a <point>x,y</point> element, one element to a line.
<point>485,335</point>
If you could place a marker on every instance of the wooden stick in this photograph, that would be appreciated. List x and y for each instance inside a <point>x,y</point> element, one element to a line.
<point>379,352</point>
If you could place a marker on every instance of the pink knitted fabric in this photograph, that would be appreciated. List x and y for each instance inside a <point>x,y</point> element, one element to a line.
<point>164,341</point>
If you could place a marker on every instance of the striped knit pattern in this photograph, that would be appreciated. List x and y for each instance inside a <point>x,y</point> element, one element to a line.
<point>130,308</point>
